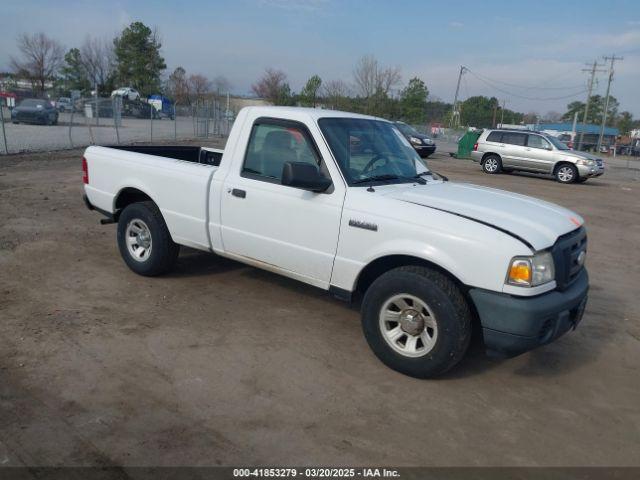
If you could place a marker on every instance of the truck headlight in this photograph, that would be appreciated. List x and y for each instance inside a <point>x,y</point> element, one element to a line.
<point>531,271</point>
<point>415,140</point>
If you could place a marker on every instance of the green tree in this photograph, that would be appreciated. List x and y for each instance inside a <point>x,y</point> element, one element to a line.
<point>413,101</point>
<point>309,94</point>
<point>596,109</point>
<point>73,71</point>
<point>625,122</point>
<point>138,60</point>
<point>478,111</point>
<point>437,111</point>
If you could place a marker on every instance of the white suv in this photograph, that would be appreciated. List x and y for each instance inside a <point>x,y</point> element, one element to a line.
<point>508,150</point>
<point>126,92</point>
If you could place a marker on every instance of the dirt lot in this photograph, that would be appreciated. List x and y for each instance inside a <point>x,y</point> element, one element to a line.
<point>220,364</point>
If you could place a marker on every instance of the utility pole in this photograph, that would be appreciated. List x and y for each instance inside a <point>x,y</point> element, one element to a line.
<point>455,115</point>
<point>495,113</point>
<point>612,59</point>
<point>594,68</point>
<point>504,102</point>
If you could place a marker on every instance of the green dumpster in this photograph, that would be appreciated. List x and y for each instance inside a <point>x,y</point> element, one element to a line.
<point>466,143</point>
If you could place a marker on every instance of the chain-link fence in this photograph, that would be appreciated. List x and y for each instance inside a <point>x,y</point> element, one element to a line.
<point>108,121</point>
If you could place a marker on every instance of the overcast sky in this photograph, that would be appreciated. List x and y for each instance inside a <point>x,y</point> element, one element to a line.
<point>512,48</point>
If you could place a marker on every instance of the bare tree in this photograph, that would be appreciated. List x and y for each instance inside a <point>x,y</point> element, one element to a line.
<point>271,86</point>
<point>199,85</point>
<point>553,116</point>
<point>98,58</point>
<point>370,78</point>
<point>41,57</point>
<point>334,92</point>
<point>221,85</point>
<point>388,78</point>
<point>178,86</point>
<point>365,76</point>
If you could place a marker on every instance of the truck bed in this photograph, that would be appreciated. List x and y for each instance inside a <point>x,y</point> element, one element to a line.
<point>177,152</point>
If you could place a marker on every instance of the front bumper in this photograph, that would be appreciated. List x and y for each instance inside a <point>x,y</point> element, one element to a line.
<point>424,150</point>
<point>513,325</point>
<point>588,172</point>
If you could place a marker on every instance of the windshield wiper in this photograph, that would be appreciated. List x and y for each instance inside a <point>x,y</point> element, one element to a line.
<point>376,178</point>
<point>429,172</point>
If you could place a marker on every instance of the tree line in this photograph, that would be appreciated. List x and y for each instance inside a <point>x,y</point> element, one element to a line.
<point>134,59</point>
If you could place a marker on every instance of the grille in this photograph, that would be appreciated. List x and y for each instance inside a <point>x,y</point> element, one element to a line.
<point>566,252</point>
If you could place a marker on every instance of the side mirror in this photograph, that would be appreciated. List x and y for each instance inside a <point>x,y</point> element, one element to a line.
<point>305,176</point>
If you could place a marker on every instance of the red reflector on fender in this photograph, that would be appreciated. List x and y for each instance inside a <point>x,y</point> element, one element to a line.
<point>85,171</point>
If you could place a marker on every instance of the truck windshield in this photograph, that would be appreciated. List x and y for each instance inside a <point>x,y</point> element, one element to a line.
<point>371,151</point>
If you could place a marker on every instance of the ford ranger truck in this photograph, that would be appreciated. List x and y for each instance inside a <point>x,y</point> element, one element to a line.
<point>343,202</point>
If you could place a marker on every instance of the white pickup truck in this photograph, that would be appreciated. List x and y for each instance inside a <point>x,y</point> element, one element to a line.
<point>343,202</point>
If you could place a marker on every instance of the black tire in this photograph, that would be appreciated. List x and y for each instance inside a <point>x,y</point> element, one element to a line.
<point>450,312</point>
<point>163,252</point>
<point>582,179</point>
<point>566,173</point>
<point>492,164</point>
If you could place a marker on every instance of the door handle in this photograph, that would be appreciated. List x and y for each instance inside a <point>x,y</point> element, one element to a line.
<point>236,192</point>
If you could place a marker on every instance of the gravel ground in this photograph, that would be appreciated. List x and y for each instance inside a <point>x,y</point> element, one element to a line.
<point>220,363</point>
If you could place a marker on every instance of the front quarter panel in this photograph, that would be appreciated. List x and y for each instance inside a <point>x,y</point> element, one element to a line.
<point>476,254</point>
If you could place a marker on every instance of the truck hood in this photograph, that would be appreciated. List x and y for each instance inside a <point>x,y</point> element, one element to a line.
<point>535,222</point>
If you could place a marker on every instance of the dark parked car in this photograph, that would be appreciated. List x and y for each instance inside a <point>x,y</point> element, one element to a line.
<point>422,143</point>
<point>34,110</point>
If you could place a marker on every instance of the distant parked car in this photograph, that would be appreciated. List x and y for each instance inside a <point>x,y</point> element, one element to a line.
<point>507,150</point>
<point>139,109</point>
<point>35,110</point>
<point>423,144</point>
<point>126,93</point>
<point>64,104</point>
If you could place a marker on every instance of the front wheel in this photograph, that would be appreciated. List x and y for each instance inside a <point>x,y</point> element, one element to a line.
<point>492,164</point>
<point>144,240</point>
<point>416,321</point>
<point>566,173</point>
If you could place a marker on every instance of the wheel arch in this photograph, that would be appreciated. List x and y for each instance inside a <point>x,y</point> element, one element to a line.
<point>560,163</point>
<point>128,195</point>
<point>489,154</point>
<point>383,264</point>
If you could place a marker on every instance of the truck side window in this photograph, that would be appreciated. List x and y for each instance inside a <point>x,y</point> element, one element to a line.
<point>272,145</point>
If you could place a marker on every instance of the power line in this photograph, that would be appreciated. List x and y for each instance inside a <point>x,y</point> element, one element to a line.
<point>527,87</point>
<point>525,97</point>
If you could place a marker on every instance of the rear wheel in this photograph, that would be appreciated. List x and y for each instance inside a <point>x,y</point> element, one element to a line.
<point>144,240</point>
<point>566,173</point>
<point>492,164</point>
<point>416,321</point>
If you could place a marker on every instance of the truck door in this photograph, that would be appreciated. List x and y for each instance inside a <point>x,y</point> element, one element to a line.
<point>292,229</point>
